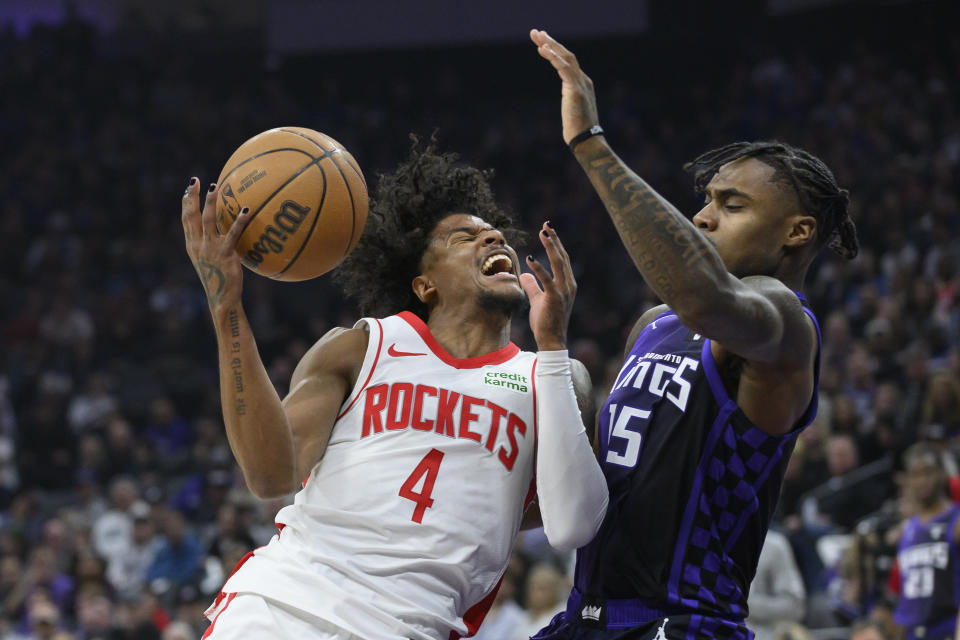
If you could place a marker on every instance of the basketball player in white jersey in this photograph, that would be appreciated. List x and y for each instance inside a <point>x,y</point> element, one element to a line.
<point>419,436</point>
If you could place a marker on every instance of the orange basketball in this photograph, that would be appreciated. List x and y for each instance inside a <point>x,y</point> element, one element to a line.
<point>307,198</point>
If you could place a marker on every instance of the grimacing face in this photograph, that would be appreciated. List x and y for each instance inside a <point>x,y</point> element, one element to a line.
<point>466,256</point>
<point>750,218</point>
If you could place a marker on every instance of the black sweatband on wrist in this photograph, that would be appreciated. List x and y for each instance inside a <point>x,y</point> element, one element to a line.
<point>595,130</point>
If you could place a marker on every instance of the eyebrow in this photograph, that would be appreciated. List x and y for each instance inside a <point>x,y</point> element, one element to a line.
<point>727,192</point>
<point>474,230</point>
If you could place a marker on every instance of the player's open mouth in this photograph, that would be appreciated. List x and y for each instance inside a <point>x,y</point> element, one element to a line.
<point>498,265</point>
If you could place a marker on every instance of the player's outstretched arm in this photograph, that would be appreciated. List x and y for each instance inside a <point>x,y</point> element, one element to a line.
<point>759,321</point>
<point>258,430</point>
<point>571,490</point>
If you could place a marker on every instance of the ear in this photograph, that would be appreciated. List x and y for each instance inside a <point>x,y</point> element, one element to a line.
<point>424,289</point>
<point>803,229</point>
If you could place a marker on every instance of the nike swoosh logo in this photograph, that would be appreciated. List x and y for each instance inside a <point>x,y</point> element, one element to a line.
<point>397,354</point>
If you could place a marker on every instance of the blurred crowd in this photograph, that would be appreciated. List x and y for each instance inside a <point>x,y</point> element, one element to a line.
<point>121,510</point>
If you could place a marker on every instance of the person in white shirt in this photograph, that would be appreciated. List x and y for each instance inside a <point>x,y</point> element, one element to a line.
<point>776,593</point>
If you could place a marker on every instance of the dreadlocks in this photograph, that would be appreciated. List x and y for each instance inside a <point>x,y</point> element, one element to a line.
<point>807,175</point>
<point>408,204</point>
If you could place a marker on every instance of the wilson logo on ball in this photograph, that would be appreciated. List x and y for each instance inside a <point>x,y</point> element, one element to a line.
<point>286,221</point>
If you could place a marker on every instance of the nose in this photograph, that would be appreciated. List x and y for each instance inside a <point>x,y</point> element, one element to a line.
<point>705,220</point>
<point>493,236</point>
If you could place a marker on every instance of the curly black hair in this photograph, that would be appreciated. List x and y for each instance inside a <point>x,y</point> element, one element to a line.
<point>816,188</point>
<point>407,206</point>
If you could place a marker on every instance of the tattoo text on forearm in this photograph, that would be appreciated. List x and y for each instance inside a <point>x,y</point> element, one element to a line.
<point>236,365</point>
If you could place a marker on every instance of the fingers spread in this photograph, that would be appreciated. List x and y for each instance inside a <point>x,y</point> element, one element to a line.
<point>542,275</point>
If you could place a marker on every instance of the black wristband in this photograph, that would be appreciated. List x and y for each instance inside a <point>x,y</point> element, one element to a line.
<point>595,130</point>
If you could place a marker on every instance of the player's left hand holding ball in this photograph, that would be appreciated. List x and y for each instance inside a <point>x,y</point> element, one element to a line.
<point>550,306</point>
<point>213,254</point>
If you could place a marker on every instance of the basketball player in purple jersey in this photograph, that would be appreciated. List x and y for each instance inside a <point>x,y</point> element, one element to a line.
<point>928,555</point>
<point>697,430</point>
<point>416,438</point>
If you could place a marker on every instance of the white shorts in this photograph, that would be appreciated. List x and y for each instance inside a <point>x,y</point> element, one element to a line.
<point>248,616</point>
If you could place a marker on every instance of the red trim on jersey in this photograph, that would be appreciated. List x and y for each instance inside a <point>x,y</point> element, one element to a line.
<point>370,375</point>
<point>475,614</point>
<point>954,484</point>
<point>206,634</point>
<point>495,357</point>
<point>222,595</point>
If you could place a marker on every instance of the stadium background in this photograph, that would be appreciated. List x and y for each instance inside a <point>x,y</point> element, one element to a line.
<point>120,505</point>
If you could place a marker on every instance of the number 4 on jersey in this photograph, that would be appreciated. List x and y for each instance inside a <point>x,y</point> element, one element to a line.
<point>427,469</point>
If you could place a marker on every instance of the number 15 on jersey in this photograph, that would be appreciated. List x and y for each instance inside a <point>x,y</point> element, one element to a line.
<point>628,424</point>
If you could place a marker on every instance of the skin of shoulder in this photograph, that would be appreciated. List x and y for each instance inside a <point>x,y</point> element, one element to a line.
<point>775,392</point>
<point>321,381</point>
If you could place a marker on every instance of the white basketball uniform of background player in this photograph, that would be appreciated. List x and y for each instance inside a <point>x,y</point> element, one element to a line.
<point>405,526</point>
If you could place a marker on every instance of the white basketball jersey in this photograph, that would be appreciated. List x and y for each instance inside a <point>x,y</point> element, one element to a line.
<point>404,527</point>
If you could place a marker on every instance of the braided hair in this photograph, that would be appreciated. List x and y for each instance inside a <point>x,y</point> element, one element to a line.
<point>407,206</point>
<point>817,190</point>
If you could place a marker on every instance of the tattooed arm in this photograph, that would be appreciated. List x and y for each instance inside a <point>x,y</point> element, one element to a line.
<point>274,446</point>
<point>757,318</point>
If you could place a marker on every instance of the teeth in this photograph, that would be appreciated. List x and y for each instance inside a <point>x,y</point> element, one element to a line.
<point>492,260</point>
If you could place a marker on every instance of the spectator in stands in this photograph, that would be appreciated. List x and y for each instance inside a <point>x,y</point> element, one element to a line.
<point>546,589</point>
<point>179,558</point>
<point>44,620</point>
<point>112,531</point>
<point>167,431</point>
<point>777,593</point>
<point>505,615</point>
<point>867,630</point>
<point>127,570</point>
<point>844,499</point>
<point>942,404</point>
<point>91,408</point>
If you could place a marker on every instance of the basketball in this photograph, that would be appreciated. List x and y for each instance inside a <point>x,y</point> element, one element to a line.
<point>307,198</point>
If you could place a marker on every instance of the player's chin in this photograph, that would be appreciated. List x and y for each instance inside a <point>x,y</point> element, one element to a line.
<point>508,299</point>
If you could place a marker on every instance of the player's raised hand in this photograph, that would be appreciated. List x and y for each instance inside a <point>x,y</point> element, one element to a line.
<point>213,254</point>
<point>578,102</point>
<point>550,306</point>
